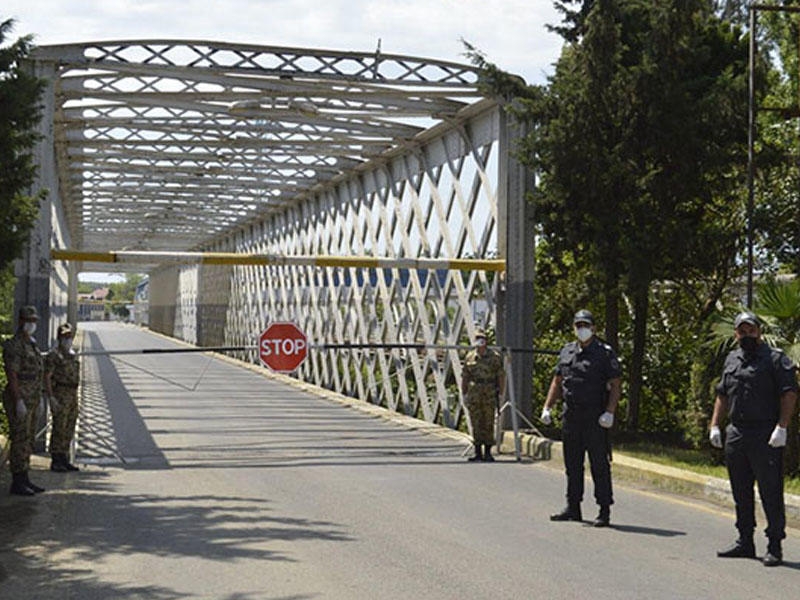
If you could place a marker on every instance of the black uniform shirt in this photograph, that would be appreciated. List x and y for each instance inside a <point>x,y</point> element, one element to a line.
<point>585,373</point>
<point>753,384</point>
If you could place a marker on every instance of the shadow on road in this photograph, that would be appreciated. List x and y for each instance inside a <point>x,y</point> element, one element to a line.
<point>647,530</point>
<point>129,435</point>
<point>43,539</point>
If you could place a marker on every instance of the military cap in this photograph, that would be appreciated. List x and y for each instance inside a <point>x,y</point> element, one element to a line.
<point>480,332</point>
<point>65,330</point>
<point>746,317</point>
<point>583,316</point>
<point>28,313</point>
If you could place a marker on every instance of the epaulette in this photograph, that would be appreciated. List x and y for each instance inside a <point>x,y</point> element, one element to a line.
<point>780,358</point>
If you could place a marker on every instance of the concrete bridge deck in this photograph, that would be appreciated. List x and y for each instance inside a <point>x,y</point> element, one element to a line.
<point>206,479</point>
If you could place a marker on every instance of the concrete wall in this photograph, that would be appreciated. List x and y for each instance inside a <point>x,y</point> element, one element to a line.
<point>214,290</point>
<point>163,299</point>
<point>37,283</point>
<point>187,301</point>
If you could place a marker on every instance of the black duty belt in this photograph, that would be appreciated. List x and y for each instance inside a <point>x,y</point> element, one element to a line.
<point>27,377</point>
<point>753,424</point>
<point>480,381</point>
<point>67,385</point>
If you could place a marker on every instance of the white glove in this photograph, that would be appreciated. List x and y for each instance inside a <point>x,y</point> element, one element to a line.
<point>546,417</point>
<point>715,437</point>
<point>22,410</point>
<point>778,437</point>
<point>606,420</point>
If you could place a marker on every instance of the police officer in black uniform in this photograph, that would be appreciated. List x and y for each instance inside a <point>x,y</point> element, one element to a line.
<point>758,391</point>
<point>587,379</point>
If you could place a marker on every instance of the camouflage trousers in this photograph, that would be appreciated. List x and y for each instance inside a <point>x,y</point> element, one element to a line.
<point>21,430</point>
<point>64,419</point>
<point>481,402</point>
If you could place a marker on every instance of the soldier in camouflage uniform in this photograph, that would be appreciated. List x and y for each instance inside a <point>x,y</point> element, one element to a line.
<point>61,378</point>
<point>21,398</point>
<point>482,380</point>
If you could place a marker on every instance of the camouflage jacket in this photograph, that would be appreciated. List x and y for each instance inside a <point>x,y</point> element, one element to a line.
<point>483,370</point>
<point>63,368</point>
<point>21,355</point>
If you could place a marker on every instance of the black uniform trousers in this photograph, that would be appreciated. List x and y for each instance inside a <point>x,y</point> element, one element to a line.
<point>750,459</point>
<point>581,436</point>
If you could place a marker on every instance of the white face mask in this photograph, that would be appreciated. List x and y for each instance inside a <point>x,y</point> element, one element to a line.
<point>480,342</point>
<point>583,333</point>
<point>29,328</point>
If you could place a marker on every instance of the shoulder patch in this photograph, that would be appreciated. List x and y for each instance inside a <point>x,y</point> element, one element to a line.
<point>786,362</point>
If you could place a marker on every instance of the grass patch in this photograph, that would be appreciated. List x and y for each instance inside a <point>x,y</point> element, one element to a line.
<point>697,461</point>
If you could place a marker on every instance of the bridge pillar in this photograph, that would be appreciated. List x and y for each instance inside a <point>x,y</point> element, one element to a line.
<point>32,269</point>
<point>516,242</point>
<point>35,285</point>
<point>214,289</point>
<point>163,299</point>
<point>72,295</point>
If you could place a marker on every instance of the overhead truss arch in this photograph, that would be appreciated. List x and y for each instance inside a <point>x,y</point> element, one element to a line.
<point>152,135</point>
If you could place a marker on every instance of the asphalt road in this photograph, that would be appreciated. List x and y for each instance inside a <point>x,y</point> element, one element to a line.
<point>203,479</point>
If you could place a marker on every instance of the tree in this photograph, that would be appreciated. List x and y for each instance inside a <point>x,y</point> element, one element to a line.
<point>19,115</point>
<point>639,140</point>
<point>777,191</point>
<point>123,293</point>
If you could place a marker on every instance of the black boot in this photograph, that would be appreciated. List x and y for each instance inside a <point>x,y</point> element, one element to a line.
<point>774,555</point>
<point>603,517</point>
<point>487,453</point>
<point>31,485</point>
<point>57,463</point>
<point>571,513</point>
<point>478,454</point>
<point>68,465</point>
<point>18,485</point>
<point>741,548</point>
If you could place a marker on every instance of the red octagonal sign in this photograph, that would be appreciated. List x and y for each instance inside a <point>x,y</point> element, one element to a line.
<point>282,347</point>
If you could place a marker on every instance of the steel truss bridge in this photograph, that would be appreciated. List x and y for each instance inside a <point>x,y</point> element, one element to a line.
<point>395,168</point>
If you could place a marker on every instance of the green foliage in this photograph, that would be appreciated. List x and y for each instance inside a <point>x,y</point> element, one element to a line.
<point>7,281</point>
<point>122,293</point>
<point>638,140</point>
<point>777,186</point>
<point>19,115</point>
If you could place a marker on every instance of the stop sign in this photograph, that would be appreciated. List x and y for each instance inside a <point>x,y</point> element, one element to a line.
<point>282,347</point>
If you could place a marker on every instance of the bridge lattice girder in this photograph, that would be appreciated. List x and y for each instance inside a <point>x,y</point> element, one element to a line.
<point>182,146</point>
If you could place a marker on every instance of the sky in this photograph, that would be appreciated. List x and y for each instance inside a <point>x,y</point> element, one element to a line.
<point>511,33</point>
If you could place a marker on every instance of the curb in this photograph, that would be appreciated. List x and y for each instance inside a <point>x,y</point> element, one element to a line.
<point>650,474</point>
